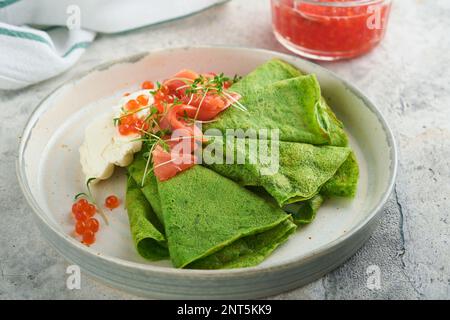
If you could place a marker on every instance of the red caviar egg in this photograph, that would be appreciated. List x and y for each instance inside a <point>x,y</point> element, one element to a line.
<point>80,216</point>
<point>132,105</point>
<point>92,224</point>
<point>88,237</point>
<point>80,227</point>
<point>90,210</point>
<point>129,119</point>
<point>142,100</point>
<point>83,202</point>
<point>112,202</point>
<point>147,85</point>
<point>124,129</point>
<point>76,208</point>
<point>80,209</point>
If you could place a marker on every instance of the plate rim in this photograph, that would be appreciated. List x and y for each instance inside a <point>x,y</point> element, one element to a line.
<point>286,264</point>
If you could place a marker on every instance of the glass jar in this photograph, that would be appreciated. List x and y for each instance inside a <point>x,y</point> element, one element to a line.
<point>330,29</point>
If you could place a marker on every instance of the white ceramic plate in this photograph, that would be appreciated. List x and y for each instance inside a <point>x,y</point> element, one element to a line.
<point>50,175</point>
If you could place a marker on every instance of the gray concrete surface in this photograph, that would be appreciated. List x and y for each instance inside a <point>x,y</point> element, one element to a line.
<point>408,77</point>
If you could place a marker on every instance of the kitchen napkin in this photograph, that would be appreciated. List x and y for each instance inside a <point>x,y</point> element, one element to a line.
<point>40,39</point>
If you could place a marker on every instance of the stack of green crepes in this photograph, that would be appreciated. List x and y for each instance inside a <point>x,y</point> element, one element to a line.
<point>231,215</point>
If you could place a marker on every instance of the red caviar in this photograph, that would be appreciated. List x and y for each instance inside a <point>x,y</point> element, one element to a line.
<point>85,225</point>
<point>92,224</point>
<point>88,237</point>
<point>330,29</point>
<point>147,85</point>
<point>80,216</point>
<point>124,129</point>
<point>142,99</point>
<point>132,105</point>
<point>80,227</point>
<point>90,210</point>
<point>112,202</point>
<point>131,124</point>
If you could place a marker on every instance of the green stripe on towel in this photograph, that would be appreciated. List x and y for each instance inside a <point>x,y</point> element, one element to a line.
<point>24,35</point>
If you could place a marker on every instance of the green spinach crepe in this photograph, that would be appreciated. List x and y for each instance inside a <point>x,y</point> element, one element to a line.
<point>302,169</point>
<point>304,212</point>
<point>146,229</point>
<point>149,185</point>
<point>272,71</point>
<point>231,215</point>
<point>261,85</point>
<point>210,221</point>
<point>293,105</point>
<point>345,181</point>
<point>196,228</point>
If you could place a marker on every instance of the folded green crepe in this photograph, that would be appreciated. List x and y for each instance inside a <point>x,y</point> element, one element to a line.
<point>298,170</point>
<point>276,70</point>
<point>204,213</point>
<point>148,185</point>
<point>304,212</point>
<point>272,71</point>
<point>211,222</point>
<point>247,251</point>
<point>345,181</point>
<point>146,230</point>
<point>292,105</point>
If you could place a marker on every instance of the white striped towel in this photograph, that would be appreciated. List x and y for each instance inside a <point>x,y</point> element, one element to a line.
<point>36,43</point>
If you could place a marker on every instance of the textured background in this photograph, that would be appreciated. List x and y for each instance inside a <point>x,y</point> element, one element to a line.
<point>408,77</point>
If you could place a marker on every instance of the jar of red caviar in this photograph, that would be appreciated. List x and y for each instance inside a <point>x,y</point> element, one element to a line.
<point>330,29</point>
